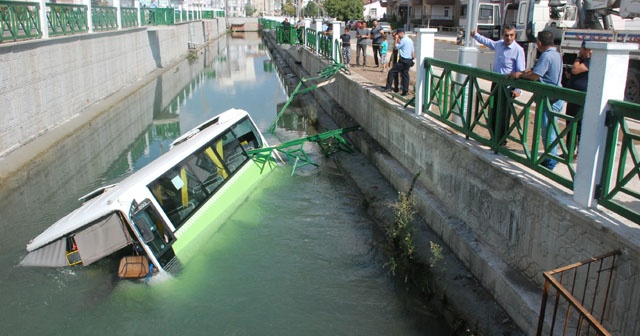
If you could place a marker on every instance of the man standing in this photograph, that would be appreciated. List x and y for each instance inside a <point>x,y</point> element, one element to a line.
<point>404,45</point>
<point>376,38</point>
<point>286,31</point>
<point>548,70</point>
<point>152,12</point>
<point>509,58</point>
<point>578,80</point>
<point>362,36</point>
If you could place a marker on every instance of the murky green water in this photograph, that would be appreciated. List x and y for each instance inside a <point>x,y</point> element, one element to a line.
<point>295,259</point>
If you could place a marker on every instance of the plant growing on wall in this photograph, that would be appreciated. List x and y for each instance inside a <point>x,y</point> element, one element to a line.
<point>400,245</point>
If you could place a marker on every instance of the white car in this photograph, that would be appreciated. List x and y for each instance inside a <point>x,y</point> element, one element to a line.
<point>386,27</point>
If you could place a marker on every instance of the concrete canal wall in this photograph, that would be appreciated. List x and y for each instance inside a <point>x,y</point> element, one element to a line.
<point>506,223</point>
<point>46,83</point>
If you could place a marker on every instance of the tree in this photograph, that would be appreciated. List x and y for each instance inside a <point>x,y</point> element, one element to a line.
<point>311,9</point>
<point>288,8</point>
<point>249,9</point>
<point>344,10</point>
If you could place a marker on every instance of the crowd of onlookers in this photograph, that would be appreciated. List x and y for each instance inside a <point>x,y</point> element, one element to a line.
<point>401,51</point>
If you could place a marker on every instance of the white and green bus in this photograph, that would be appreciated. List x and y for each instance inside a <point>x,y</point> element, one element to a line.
<point>152,219</point>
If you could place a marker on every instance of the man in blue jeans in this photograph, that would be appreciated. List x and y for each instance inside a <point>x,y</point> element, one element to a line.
<point>548,70</point>
<point>404,45</point>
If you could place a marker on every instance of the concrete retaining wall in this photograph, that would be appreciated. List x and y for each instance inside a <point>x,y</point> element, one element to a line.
<point>45,83</point>
<point>504,222</point>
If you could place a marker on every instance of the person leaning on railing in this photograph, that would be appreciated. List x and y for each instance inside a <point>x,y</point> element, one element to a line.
<point>286,31</point>
<point>300,30</point>
<point>152,12</point>
<point>578,78</point>
<point>547,70</point>
<point>509,58</point>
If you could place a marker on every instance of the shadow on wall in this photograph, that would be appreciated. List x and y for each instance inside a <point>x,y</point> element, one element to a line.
<point>154,44</point>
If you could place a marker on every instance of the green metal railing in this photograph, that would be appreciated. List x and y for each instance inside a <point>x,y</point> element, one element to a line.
<point>337,45</point>
<point>619,185</point>
<point>157,16</point>
<point>212,14</point>
<point>287,35</point>
<point>66,19</point>
<point>310,39</point>
<point>129,17</point>
<point>446,101</point>
<point>104,18</point>
<point>184,15</point>
<point>325,45</point>
<point>267,24</point>
<point>19,20</point>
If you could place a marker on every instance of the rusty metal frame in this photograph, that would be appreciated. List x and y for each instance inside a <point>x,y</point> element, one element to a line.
<point>585,323</point>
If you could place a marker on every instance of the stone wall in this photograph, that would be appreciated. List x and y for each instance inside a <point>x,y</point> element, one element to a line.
<point>45,83</point>
<point>506,223</point>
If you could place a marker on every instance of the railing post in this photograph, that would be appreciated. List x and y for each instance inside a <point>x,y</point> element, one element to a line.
<point>424,48</point>
<point>318,29</point>
<point>136,4</point>
<point>608,69</point>
<point>116,4</point>
<point>89,16</point>
<point>335,31</point>
<point>44,26</point>
<point>467,55</point>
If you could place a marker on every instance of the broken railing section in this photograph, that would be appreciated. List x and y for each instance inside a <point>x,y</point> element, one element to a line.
<point>324,77</point>
<point>330,143</point>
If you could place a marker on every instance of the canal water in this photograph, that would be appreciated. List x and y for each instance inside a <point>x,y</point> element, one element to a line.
<point>297,258</point>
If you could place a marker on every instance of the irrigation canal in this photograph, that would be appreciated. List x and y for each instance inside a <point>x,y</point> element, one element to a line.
<point>295,259</point>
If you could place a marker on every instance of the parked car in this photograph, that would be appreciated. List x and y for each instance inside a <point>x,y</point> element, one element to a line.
<point>386,27</point>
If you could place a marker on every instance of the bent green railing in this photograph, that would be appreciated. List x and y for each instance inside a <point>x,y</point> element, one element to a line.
<point>322,79</point>
<point>67,19</point>
<point>19,20</point>
<point>620,186</point>
<point>330,143</point>
<point>104,18</point>
<point>446,101</point>
<point>129,17</point>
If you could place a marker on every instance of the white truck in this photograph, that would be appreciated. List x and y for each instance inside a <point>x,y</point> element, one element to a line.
<point>488,23</point>
<point>573,21</point>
